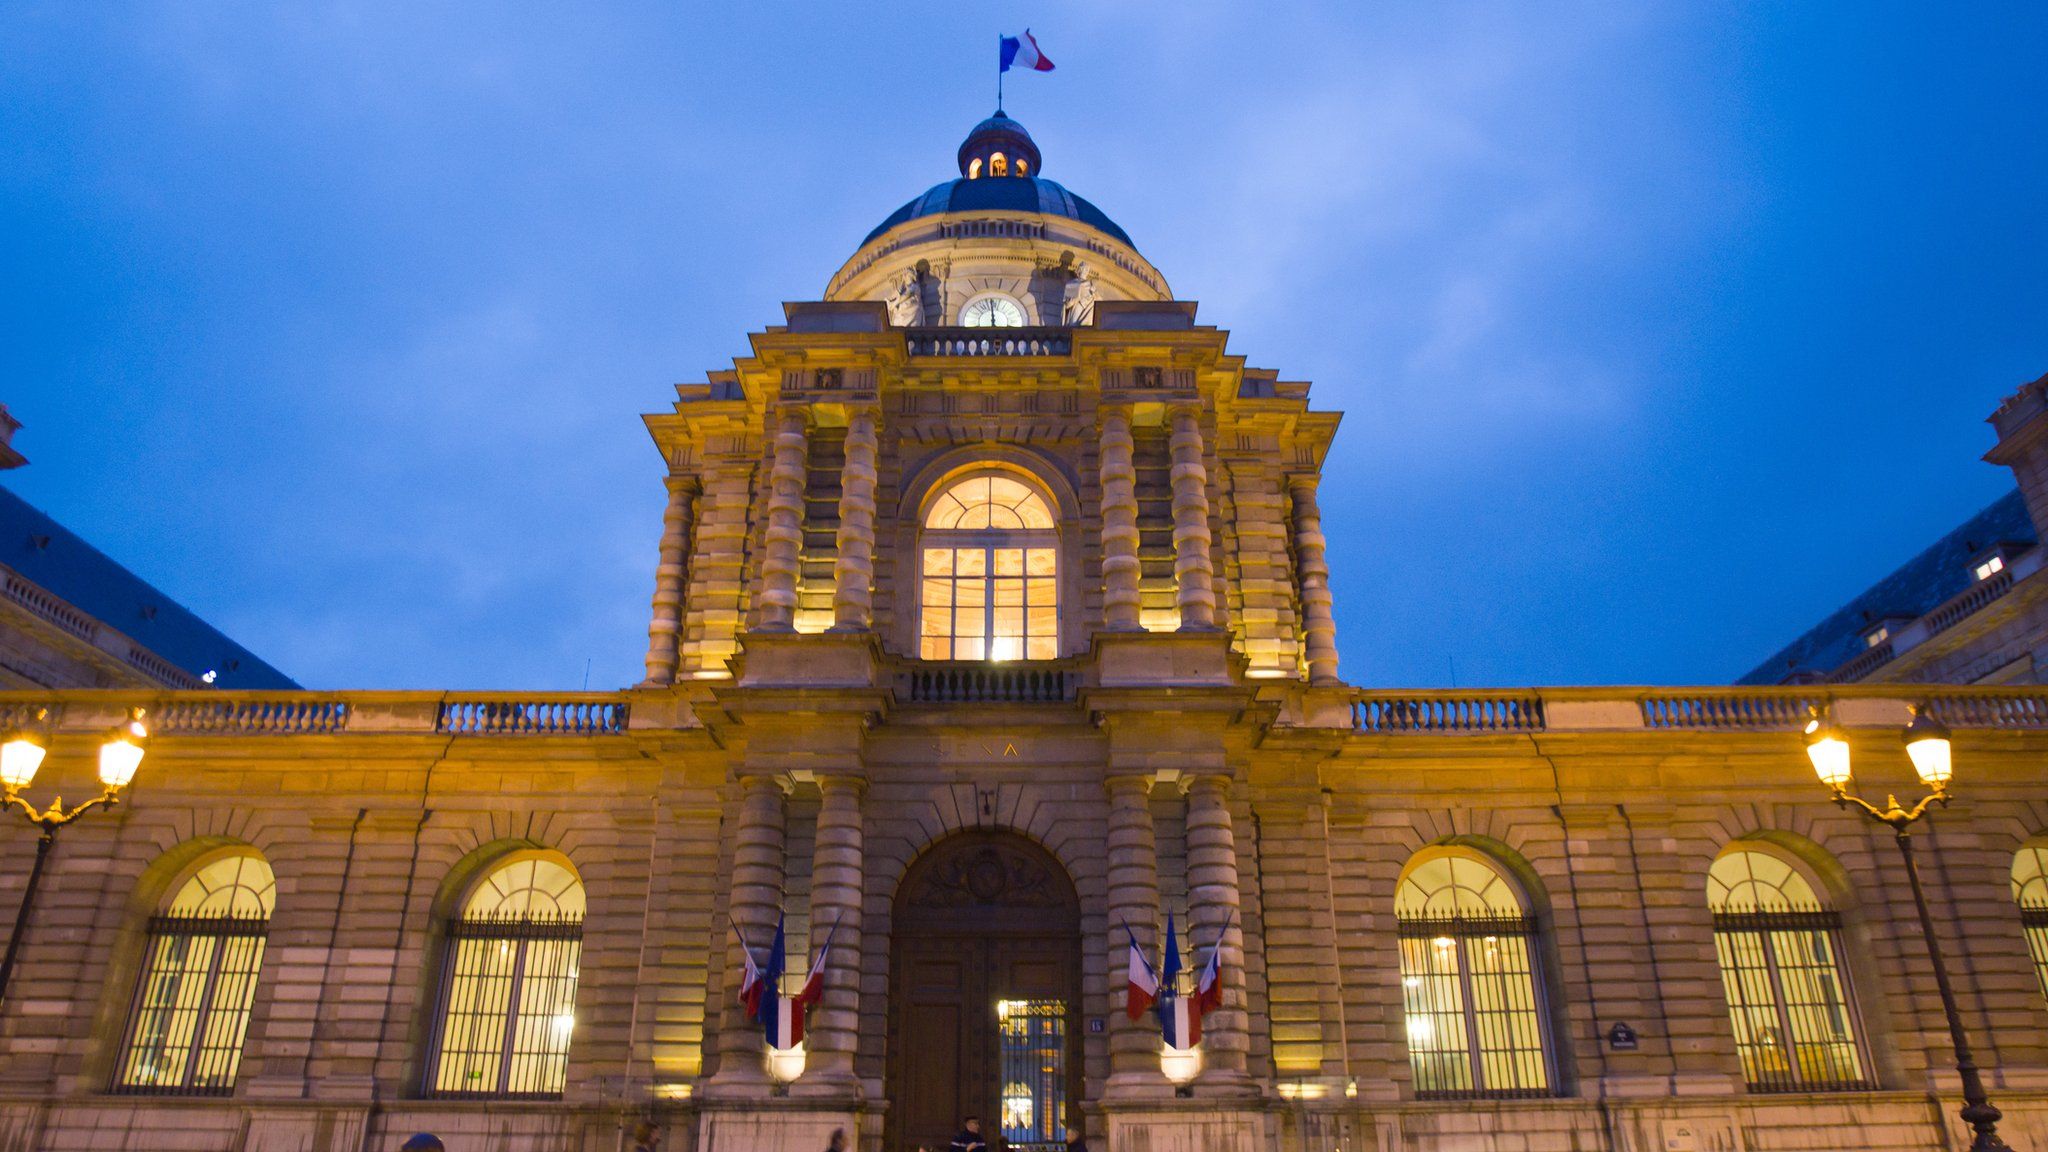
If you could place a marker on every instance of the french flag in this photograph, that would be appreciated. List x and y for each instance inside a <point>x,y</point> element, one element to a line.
<point>752,984</point>
<point>1209,985</point>
<point>814,984</point>
<point>1023,53</point>
<point>1143,987</point>
<point>1180,1022</point>
<point>782,1017</point>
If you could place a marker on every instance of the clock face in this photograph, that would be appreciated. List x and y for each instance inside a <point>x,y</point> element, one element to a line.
<point>992,312</point>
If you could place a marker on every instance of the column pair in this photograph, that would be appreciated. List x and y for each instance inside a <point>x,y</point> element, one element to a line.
<point>853,570</point>
<point>1193,566</point>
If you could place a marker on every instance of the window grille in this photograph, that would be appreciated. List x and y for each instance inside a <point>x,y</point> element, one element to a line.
<point>1474,1018</point>
<point>508,989</point>
<point>1788,994</point>
<point>989,568</point>
<point>2030,891</point>
<point>1033,1038</point>
<point>1474,1006</point>
<point>199,974</point>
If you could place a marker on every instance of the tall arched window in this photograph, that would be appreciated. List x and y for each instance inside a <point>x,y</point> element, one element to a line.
<point>2030,892</point>
<point>989,573</point>
<point>198,980</point>
<point>1788,995</point>
<point>508,998</point>
<point>1475,1019</point>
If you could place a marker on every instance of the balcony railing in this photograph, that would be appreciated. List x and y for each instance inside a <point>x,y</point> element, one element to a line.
<point>977,682</point>
<point>577,715</point>
<point>989,341</point>
<point>1734,710</point>
<point>1447,712</point>
<point>266,715</point>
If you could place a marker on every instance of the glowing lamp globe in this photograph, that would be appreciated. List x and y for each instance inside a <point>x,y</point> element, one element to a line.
<point>20,756</point>
<point>121,754</point>
<point>1828,748</point>
<point>1927,745</point>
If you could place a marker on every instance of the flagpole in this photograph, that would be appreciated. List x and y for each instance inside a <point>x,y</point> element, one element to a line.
<point>999,71</point>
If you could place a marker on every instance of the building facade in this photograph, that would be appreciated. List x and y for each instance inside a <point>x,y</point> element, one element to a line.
<point>991,635</point>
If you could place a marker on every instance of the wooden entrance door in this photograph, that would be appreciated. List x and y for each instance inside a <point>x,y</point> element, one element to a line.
<point>986,929</point>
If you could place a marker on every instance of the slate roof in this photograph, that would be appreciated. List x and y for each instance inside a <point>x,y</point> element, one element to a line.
<point>53,556</point>
<point>1006,194</point>
<point>1918,587</point>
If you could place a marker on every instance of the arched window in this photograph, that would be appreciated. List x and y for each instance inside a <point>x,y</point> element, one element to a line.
<point>1023,166</point>
<point>998,164</point>
<point>1780,950</point>
<point>508,998</point>
<point>198,980</point>
<point>974,168</point>
<point>2030,892</point>
<point>1475,1019</point>
<point>989,573</point>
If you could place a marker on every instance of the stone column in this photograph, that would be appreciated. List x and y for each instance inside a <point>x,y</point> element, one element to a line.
<point>1119,522</point>
<point>832,1030</point>
<point>757,863</point>
<point>853,569</point>
<point>667,621</point>
<point>1213,908</point>
<point>1318,625</point>
<point>785,535</point>
<point>1134,901</point>
<point>1192,566</point>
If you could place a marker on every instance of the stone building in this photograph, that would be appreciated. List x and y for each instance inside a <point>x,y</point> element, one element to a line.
<point>1968,609</point>
<point>991,633</point>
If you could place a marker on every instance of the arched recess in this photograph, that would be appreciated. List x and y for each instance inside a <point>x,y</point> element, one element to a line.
<point>1786,966</point>
<point>1477,965</point>
<point>499,989</point>
<point>2030,892</point>
<point>984,993</point>
<point>930,486</point>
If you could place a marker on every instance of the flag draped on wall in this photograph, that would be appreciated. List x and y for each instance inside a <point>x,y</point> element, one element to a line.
<point>1143,987</point>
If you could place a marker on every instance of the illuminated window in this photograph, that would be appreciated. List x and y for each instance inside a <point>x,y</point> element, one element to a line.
<point>1023,166</point>
<point>1788,995</point>
<point>990,573</point>
<point>508,999</point>
<point>198,981</point>
<point>1468,979</point>
<point>998,165</point>
<point>974,168</point>
<point>1876,636</point>
<point>2030,891</point>
<point>1034,1068</point>
<point>1990,566</point>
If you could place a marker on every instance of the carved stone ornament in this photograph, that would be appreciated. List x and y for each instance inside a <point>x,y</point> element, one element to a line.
<point>987,875</point>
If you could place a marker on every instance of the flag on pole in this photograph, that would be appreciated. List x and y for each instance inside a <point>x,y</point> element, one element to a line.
<point>1143,986</point>
<point>1022,52</point>
<point>814,984</point>
<point>751,983</point>
<point>1209,985</point>
<point>782,1017</point>
<point>1179,1021</point>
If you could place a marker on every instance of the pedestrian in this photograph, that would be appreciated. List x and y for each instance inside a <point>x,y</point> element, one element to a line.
<point>969,1139</point>
<point>838,1141</point>
<point>1075,1141</point>
<point>423,1142</point>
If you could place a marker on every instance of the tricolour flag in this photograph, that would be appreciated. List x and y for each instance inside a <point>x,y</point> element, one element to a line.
<point>782,1017</point>
<point>814,984</point>
<point>1143,986</point>
<point>1023,53</point>
<point>1180,1022</point>
<point>751,984</point>
<point>1209,985</point>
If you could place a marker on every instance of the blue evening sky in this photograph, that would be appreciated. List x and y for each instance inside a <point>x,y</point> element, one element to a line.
<point>1660,329</point>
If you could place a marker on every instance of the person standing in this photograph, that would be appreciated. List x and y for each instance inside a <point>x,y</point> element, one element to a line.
<point>969,1139</point>
<point>1075,1141</point>
<point>838,1141</point>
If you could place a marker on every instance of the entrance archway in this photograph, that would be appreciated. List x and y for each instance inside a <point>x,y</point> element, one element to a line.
<point>984,995</point>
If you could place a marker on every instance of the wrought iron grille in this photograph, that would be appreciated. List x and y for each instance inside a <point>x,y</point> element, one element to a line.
<point>1475,1019</point>
<point>508,1007</point>
<point>192,1006</point>
<point>2034,920</point>
<point>1034,1069</point>
<point>1789,1001</point>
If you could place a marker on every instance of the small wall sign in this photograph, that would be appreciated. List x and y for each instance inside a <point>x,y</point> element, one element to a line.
<point>1094,1025</point>
<point>1621,1038</point>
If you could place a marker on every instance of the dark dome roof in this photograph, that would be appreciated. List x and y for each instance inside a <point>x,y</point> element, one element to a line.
<point>1002,194</point>
<point>983,191</point>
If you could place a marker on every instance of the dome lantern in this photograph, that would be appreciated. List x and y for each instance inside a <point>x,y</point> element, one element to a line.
<point>998,146</point>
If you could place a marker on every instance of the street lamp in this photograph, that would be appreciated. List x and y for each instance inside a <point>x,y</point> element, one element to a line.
<point>1927,745</point>
<point>21,754</point>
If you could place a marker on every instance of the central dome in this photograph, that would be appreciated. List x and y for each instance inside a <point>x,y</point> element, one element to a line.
<point>998,166</point>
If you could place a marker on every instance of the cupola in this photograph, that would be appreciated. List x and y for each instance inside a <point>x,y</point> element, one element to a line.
<point>998,147</point>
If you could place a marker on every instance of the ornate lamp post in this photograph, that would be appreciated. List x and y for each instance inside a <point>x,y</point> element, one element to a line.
<point>21,754</point>
<point>1927,745</point>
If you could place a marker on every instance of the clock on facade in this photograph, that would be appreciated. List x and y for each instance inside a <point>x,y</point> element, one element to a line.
<point>992,311</point>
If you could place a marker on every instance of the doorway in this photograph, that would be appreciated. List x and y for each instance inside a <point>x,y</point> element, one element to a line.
<point>984,996</point>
